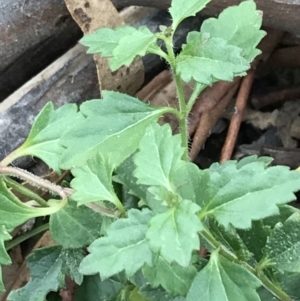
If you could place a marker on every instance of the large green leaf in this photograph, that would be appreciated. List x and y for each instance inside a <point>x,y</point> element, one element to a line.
<point>48,128</point>
<point>174,233</point>
<point>122,44</point>
<point>113,125</point>
<point>207,59</point>
<point>75,227</point>
<point>223,280</point>
<point>158,158</point>
<point>181,10</point>
<point>175,279</point>
<point>94,289</point>
<point>93,182</point>
<point>4,257</point>
<point>13,212</point>
<point>230,201</point>
<point>124,248</point>
<point>283,246</point>
<point>240,26</point>
<point>48,267</point>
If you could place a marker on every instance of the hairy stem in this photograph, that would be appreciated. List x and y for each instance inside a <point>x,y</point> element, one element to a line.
<point>9,245</point>
<point>180,95</point>
<point>269,285</point>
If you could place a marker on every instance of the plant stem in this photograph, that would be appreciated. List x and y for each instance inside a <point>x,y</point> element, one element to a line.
<point>26,236</point>
<point>270,286</point>
<point>25,191</point>
<point>182,103</point>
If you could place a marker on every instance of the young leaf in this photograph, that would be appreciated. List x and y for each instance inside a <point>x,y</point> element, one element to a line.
<point>230,201</point>
<point>122,44</point>
<point>75,227</point>
<point>283,246</point>
<point>223,280</point>
<point>47,267</point>
<point>4,257</point>
<point>13,212</point>
<point>117,121</point>
<point>206,60</point>
<point>240,26</point>
<point>93,182</point>
<point>175,279</point>
<point>158,158</point>
<point>94,289</point>
<point>181,10</point>
<point>178,233</point>
<point>48,128</point>
<point>125,241</point>
<point>105,40</point>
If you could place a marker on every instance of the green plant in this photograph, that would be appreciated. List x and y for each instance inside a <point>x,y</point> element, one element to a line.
<point>137,202</point>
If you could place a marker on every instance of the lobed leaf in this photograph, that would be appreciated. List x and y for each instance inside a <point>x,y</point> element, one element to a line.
<point>125,241</point>
<point>283,245</point>
<point>121,45</point>
<point>223,280</point>
<point>48,128</point>
<point>207,59</point>
<point>4,257</point>
<point>93,182</point>
<point>230,201</point>
<point>180,10</point>
<point>115,126</point>
<point>240,26</point>
<point>178,233</point>
<point>158,158</point>
<point>105,40</point>
<point>75,227</point>
<point>47,270</point>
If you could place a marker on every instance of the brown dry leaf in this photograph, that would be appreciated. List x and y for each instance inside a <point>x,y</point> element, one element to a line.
<point>91,15</point>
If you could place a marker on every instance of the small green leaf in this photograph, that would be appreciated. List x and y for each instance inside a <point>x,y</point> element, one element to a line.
<point>93,182</point>
<point>105,40</point>
<point>223,280</point>
<point>175,279</point>
<point>13,212</point>
<point>4,257</point>
<point>285,211</point>
<point>138,42</point>
<point>206,60</point>
<point>240,26</point>
<point>94,289</point>
<point>181,10</point>
<point>158,158</point>
<point>122,44</point>
<point>48,128</point>
<point>71,260</point>
<point>231,240</point>
<point>255,238</point>
<point>283,246</point>
<point>75,227</point>
<point>124,248</point>
<point>178,233</point>
<point>118,120</point>
<point>230,201</point>
<point>47,267</point>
